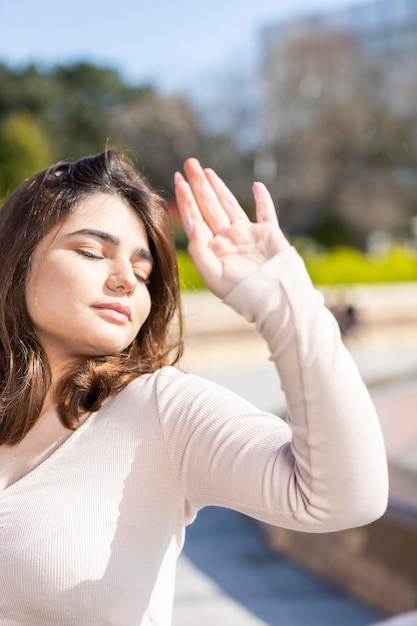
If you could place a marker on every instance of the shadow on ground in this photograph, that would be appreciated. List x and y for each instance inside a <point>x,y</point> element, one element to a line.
<point>231,549</point>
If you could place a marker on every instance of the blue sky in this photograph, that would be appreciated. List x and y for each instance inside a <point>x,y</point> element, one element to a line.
<point>172,44</point>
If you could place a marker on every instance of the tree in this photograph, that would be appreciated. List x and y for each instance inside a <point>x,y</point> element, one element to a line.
<point>72,104</point>
<point>334,140</point>
<point>162,132</point>
<point>24,150</point>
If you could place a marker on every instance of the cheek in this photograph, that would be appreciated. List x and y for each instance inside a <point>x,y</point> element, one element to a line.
<point>49,290</point>
<point>144,305</point>
<point>33,296</point>
<point>40,306</point>
<point>142,308</point>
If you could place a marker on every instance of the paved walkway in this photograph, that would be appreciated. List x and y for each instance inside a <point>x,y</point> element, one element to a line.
<point>407,619</point>
<point>227,575</point>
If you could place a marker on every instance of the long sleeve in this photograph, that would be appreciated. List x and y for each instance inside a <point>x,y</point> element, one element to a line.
<point>325,468</point>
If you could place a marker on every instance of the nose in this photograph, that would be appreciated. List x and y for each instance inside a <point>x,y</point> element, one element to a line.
<point>122,279</point>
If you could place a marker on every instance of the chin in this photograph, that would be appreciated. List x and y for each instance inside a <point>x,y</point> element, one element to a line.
<point>113,352</point>
<point>111,346</point>
<point>107,351</point>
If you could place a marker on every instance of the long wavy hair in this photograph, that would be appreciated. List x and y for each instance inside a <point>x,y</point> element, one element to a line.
<point>30,212</point>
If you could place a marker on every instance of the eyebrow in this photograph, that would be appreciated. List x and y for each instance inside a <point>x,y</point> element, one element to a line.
<point>115,241</point>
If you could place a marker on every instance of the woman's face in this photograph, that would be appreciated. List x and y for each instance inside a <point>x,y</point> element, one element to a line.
<point>86,290</point>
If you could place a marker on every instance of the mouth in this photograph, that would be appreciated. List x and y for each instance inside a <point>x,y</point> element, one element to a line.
<point>115,311</point>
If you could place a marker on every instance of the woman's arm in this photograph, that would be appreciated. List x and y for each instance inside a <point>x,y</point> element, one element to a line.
<point>326,468</point>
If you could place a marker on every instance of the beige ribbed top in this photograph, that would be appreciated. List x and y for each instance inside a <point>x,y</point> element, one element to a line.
<point>91,536</point>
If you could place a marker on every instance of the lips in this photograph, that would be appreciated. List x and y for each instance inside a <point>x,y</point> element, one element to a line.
<point>115,310</point>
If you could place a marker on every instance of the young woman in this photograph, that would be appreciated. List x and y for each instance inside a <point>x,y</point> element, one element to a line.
<point>107,451</point>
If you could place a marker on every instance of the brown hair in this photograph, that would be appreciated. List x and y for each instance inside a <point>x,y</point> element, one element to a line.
<point>36,206</point>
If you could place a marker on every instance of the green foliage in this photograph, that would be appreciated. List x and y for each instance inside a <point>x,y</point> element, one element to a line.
<point>190,279</point>
<point>332,230</point>
<point>80,108</point>
<point>339,266</point>
<point>23,150</point>
<point>344,265</point>
<point>346,167</point>
<point>72,104</point>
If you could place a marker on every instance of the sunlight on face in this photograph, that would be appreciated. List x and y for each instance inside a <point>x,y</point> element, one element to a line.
<point>87,286</point>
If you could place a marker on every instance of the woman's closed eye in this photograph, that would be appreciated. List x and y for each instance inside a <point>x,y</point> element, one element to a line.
<point>89,254</point>
<point>142,278</point>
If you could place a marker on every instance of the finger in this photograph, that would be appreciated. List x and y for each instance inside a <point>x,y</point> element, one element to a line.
<point>206,199</point>
<point>196,229</point>
<point>266,213</point>
<point>187,206</point>
<point>265,208</point>
<point>228,201</point>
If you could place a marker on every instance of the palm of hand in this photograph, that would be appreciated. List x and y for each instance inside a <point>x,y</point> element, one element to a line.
<point>224,245</point>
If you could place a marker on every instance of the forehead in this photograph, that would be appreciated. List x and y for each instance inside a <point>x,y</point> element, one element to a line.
<point>108,212</point>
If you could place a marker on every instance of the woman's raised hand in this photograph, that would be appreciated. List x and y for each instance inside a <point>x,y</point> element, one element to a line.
<point>223,243</point>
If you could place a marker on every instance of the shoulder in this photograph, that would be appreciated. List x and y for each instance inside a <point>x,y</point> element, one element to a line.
<point>171,389</point>
<point>137,408</point>
<point>164,375</point>
<point>166,381</point>
<point>169,394</point>
<point>147,386</point>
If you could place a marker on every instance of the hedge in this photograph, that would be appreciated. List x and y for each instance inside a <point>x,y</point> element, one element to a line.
<point>340,265</point>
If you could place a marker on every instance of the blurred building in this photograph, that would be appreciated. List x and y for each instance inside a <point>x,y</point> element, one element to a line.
<point>388,27</point>
<point>337,122</point>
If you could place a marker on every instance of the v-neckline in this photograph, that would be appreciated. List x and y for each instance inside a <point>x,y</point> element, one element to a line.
<point>50,458</point>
